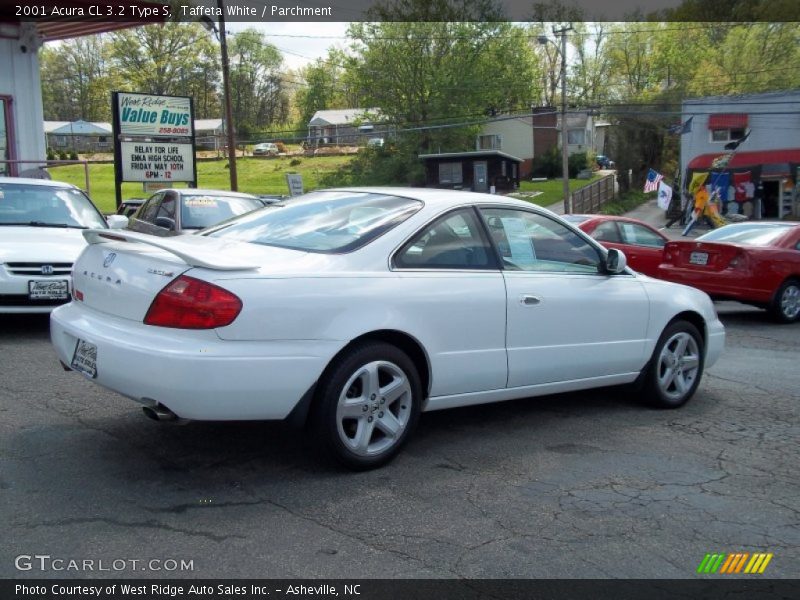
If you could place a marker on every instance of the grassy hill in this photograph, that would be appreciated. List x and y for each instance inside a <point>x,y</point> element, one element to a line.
<point>256,176</point>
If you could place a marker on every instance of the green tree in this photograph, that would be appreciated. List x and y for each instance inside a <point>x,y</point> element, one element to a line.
<point>329,83</point>
<point>442,62</point>
<point>171,58</point>
<point>258,90</point>
<point>76,82</point>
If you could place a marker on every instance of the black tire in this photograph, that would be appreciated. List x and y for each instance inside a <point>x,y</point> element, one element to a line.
<point>784,307</point>
<point>357,433</point>
<point>672,376</point>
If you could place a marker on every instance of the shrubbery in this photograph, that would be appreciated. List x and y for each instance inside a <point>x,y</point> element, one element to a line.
<point>380,166</point>
<point>549,164</point>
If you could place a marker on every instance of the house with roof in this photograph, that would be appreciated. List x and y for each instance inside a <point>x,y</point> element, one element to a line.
<point>507,146</point>
<point>80,136</point>
<point>87,137</point>
<point>762,173</point>
<point>345,126</point>
<point>529,136</point>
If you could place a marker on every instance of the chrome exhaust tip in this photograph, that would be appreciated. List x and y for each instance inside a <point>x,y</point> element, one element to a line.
<point>159,412</point>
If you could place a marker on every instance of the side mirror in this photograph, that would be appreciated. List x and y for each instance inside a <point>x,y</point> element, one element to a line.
<point>117,221</point>
<point>615,262</point>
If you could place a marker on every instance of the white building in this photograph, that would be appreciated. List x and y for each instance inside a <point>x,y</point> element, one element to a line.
<point>769,158</point>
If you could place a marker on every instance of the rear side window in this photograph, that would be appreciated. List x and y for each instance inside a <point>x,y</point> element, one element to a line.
<point>455,241</point>
<point>606,232</point>
<point>325,222</point>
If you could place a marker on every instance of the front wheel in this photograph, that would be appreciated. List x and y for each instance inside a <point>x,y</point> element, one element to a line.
<point>368,404</point>
<point>676,367</point>
<point>786,304</point>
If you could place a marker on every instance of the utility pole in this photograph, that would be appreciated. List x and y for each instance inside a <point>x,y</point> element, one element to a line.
<point>226,83</point>
<point>543,39</point>
<point>564,150</point>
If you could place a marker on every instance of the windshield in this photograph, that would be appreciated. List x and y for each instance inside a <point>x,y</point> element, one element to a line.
<point>199,211</point>
<point>326,222</point>
<point>45,206</point>
<point>750,234</point>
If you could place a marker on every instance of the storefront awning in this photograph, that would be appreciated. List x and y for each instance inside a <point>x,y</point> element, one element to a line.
<point>727,121</point>
<point>748,159</point>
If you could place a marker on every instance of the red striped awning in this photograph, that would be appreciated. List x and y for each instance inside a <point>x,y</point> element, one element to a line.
<point>748,159</point>
<point>727,121</point>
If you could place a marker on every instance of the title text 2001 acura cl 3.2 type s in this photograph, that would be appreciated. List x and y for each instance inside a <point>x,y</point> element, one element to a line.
<point>355,310</point>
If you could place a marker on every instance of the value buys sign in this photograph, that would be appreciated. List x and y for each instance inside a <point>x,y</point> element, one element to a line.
<point>153,139</point>
<point>148,115</point>
<point>157,161</point>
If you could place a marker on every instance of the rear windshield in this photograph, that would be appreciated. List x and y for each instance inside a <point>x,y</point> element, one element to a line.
<point>199,211</point>
<point>47,206</point>
<point>750,234</point>
<point>327,222</point>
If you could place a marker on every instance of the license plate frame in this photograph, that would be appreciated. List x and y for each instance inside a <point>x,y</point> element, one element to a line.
<point>56,289</point>
<point>698,258</point>
<point>84,359</point>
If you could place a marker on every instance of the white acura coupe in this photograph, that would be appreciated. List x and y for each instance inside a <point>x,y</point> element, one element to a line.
<point>356,310</point>
<point>40,238</point>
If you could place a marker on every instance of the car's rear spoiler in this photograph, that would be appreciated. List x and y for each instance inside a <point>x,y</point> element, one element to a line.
<point>196,251</point>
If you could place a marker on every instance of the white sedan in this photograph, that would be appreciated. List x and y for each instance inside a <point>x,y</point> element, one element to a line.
<point>356,310</point>
<point>40,238</point>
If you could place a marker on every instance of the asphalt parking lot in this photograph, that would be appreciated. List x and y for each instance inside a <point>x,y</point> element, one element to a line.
<point>586,485</point>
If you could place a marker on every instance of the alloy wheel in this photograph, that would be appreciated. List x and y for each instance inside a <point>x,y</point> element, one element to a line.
<point>374,408</point>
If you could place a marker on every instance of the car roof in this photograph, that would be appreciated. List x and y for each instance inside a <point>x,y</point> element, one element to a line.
<point>615,218</point>
<point>207,192</point>
<point>439,198</point>
<point>39,182</point>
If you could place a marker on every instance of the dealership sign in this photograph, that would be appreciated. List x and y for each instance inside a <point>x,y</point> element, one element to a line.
<point>148,161</point>
<point>153,139</point>
<point>145,114</point>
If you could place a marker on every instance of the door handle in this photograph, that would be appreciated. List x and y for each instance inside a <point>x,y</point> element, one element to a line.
<point>529,300</point>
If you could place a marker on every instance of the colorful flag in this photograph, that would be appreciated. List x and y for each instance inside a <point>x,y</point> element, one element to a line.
<point>698,179</point>
<point>653,179</point>
<point>682,128</point>
<point>664,195</point>
<point>743,184</point>
<point>719,184</point>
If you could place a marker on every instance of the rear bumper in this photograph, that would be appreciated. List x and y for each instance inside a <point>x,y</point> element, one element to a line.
<point>193,373</point>
<point>727,284</point>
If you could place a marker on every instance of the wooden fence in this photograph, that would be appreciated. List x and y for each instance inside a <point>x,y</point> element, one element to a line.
<point>589,199</point>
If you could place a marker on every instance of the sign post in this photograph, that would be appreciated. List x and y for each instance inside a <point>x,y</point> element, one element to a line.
<point>154,140</point>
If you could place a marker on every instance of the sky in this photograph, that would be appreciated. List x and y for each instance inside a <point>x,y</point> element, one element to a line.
<point>298,51</point>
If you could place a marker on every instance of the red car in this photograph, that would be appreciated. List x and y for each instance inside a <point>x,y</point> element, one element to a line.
<point>642,244</point>
<point>755,262</point>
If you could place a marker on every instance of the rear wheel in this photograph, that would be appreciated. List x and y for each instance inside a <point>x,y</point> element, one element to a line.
<point>368,404</point>
<point>785,305</point>
<point>676,367</point>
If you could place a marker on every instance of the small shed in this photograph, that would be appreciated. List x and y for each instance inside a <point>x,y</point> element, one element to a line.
<point>477,170</point>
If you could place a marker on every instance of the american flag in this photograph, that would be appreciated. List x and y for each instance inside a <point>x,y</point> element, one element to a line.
<point>653,179</point>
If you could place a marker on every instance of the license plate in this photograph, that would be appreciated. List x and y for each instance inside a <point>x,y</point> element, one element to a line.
<point>698,258</point>
<point>48,290</point>
<point>84,360</point>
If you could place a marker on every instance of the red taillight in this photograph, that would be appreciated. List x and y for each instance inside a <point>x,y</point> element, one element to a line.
<point>78,295</point>
<point>189,303</point>
<point>739,262</point>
